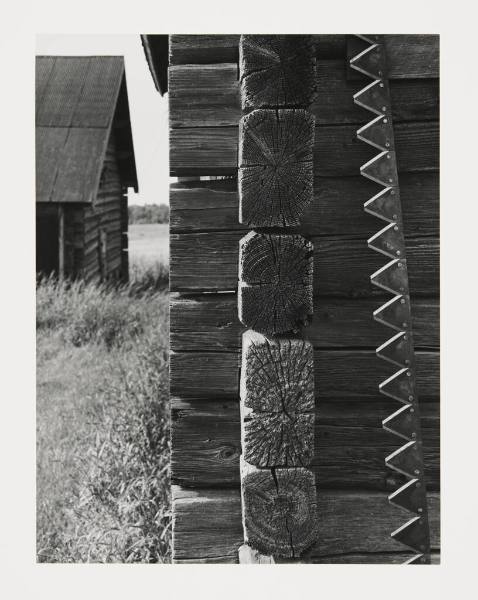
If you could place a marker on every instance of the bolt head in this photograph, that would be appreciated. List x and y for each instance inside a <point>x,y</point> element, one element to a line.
<point>409,374</point>
<point>402,301</point>
<point>387,144</point>
<point>384,108</point>
<point>411,400</point>
<point>417,472</point>
<point>395,228</point>
<point>385,120</point>
<point>398,252</point>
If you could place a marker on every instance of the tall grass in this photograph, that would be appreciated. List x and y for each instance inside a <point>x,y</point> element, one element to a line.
<point>102,424</point>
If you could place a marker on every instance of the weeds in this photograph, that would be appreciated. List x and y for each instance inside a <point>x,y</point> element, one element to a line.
<point>102,424</point>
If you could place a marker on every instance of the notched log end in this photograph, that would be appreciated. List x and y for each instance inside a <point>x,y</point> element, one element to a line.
<point>275,282</point>
<point>279,510</point>
<point>277,70</point>
<point>275,167</point>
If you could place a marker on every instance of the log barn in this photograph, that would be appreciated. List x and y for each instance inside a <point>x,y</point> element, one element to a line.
<point>205,76</point>
<point>84,166</point>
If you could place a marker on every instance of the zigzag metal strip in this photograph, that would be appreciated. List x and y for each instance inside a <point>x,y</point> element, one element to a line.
<point>395,313</point>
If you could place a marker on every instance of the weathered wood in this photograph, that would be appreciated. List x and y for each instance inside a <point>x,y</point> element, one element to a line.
<point>408,56</point>
<point>200,49</point>
<point>213,150</point>
<point>277,395</point>
<point>61,241</point>
<point>248,555</point>
<point>336,209</point>
<point>412,55</point>
<point>276,71</point>
<point>275,167</point>
<point>209,95</point>
<point>279,509</point>
<point>207,525</point>
<point>209,322</point>
<point>344,374</point>
<point>349,440</point>
<point>342,265</point>
<point>275,282</point>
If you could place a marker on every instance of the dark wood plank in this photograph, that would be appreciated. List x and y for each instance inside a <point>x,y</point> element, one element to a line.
<point>209,322</point>
<point>350,444</point>
<point>339,374</point>
<point>200,49</point>
<point>337,207</point>
<point>208,95</point>
<point>342,266</point>
<point>337,151</point>
<point>207,525</point>
<point>412,55</point>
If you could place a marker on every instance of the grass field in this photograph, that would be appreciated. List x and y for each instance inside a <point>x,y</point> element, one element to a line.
<point>103,417</point>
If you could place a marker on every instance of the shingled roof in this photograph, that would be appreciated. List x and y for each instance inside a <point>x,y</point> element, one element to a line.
<point>78,101</point>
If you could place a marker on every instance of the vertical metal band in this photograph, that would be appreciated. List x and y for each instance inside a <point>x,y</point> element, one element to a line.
<point>395,313</point>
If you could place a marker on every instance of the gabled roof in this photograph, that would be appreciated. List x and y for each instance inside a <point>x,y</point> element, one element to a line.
<point>79,99</point>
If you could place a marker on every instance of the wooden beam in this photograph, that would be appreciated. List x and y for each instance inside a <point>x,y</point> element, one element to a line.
<point>213,150</point>
<point>208,525</point>
<point>350,444</point>
<point>341,374</point>
<point>342,265</point>
<point>209,322</point>
<point>208,96</point>
<point>336,209</point>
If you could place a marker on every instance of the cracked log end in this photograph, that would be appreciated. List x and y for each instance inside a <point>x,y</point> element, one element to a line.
<point>277,401</point>
<point>279,510</point>
<point>275,167</point>
<point>277,70</point>
<point>275,282</point>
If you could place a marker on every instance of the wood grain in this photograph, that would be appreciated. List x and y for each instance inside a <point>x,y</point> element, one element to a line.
<point>209,95</point>
<point>336,209</point>
<point>275,282</point>
<point>408,56</point>
<point>349,440</point>
<point>209,322</point>
<point>337,152</point>
<point>276,71</point>
<point>341,374</point>
<point>275,176</point>
<point>207,525</point>
<point>199,49</point>
<point>277,397</point>
<point>279,509</point>
<point>342,265</point>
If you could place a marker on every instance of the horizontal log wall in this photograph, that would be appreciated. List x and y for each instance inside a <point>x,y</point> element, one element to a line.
<point>205,331</point>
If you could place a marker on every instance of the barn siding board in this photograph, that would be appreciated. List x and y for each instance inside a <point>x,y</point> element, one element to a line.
<point>207,524</point>
<point>349,440</point>
<point>209,322</point>
<point>343,374</point>
<point>336,209</point>
<point>337,152</point>
<point>209,95</point>
<point>342,266</point>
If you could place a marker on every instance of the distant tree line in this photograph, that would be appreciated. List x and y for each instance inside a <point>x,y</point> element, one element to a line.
<point>148,213</point>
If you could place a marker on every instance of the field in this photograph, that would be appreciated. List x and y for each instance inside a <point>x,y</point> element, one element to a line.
<point>103,416</point>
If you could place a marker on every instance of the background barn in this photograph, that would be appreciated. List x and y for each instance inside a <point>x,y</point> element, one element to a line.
<point>84,166</point>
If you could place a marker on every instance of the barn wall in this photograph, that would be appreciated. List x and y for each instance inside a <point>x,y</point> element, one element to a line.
<point>355,518</point>
<point>104,223</point>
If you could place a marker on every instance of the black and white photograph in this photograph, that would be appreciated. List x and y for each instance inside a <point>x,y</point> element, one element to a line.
<point>238,257</point>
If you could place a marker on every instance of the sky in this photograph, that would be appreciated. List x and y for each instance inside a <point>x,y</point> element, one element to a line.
<point>148,109</point>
